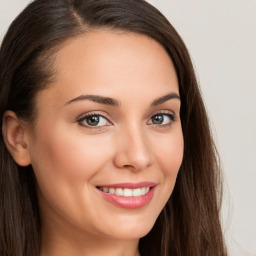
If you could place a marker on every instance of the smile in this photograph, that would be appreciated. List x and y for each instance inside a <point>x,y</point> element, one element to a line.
<point>128,195</point>
<point>126,192</point>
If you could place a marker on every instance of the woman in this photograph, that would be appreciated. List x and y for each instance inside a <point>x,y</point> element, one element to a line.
<point>105,146</point>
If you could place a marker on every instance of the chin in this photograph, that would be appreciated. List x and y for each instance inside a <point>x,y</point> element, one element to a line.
<point>132,230</point>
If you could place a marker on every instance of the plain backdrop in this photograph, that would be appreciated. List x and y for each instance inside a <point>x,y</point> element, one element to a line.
<point>221,38</point>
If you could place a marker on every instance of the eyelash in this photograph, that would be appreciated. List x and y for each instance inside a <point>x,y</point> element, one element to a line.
<point>83,118</point>
<point>169,114</point>
<point>94,114</point>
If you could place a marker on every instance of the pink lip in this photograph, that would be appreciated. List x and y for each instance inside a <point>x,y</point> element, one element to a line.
<point>130,202</point>
<point>130,185</point>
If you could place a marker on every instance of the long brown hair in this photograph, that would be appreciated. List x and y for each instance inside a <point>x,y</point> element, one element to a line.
<point>189,224</point>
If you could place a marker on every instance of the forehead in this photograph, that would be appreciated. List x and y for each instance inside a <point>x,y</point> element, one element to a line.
<point>109,62</point>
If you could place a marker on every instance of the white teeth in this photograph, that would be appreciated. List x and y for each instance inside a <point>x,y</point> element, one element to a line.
<point>111,191</point>
<point>119,192</point>
<point>136,192</point>
<point>126,192</point>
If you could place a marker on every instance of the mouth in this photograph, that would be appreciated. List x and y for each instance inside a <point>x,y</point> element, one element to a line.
<point>126,192</point>
<point>128,195</point>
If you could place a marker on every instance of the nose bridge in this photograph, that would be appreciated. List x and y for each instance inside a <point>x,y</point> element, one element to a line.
<point>133,148</point>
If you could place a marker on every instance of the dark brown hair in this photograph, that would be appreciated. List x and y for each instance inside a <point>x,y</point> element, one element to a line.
<point>189,224</point>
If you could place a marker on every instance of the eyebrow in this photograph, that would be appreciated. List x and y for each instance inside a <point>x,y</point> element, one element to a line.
<point>115,103</point>
<point>96,98</point>
<point>165,98</point>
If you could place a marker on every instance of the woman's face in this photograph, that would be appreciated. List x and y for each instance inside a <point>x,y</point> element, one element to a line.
<point>107,143</point>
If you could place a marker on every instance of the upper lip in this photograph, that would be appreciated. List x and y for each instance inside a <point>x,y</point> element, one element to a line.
<point>130,185</point>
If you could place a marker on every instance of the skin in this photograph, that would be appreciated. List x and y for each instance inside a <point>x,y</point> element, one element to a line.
<point>70,158</point>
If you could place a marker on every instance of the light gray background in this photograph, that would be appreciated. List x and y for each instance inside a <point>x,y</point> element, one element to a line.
<point>221,37</point>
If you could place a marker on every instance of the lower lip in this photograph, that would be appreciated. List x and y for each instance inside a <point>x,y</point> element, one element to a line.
<point>129,202</point>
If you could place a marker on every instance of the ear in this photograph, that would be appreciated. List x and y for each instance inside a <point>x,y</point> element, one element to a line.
<point>14,137</point>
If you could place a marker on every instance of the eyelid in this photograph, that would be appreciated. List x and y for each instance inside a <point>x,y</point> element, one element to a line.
<point>163,111</point>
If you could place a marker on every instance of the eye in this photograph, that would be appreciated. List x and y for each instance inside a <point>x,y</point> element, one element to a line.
<point>162,119</point>
<point>93,120</point>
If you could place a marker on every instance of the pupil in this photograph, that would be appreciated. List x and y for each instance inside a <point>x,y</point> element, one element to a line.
<point>93,120</point>
<point>158,119</point>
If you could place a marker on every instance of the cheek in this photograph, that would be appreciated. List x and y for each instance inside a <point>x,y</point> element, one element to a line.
<point>169,154</point>
<point>68,155</point>
<point>65,164</point>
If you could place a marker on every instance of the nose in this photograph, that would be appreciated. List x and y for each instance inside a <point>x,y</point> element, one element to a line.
<point>133,150</point>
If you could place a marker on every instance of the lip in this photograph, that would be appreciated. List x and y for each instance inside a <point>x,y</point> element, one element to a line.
<point>129,202</point>
<point>130,185</point>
